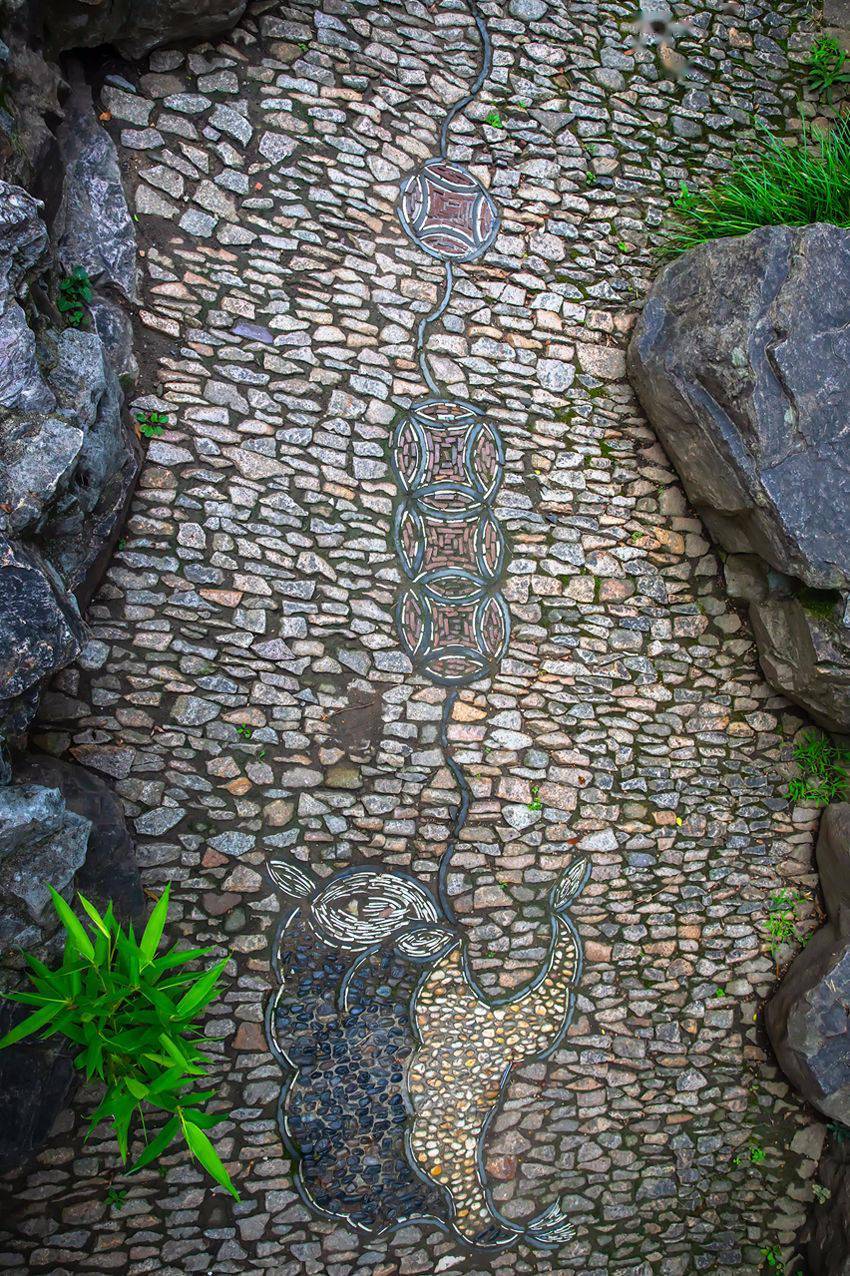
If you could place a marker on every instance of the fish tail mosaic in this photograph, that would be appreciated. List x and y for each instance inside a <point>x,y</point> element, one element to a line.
<point>396,1060</point>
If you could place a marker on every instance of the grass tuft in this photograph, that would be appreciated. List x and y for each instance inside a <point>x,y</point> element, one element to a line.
<point>781,185</point>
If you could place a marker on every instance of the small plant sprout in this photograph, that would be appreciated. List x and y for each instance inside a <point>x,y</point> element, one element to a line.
<point>823,770</point>
<point>535,804</point>
<point>494,119</point>
<point>781,924</point>
<point>827,66</point>
<point>130,1017</point>
<point>151,424</point>
<point>73,297</point>
<point>245,731</point>
<point>757,1154</point>
<point>821,1193</point>
<point>772,1257</point>
<point>116,1197</point>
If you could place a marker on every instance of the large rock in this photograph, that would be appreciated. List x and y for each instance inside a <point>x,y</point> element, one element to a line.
<point>807,1018</point>
<point>136,26</point>
<point>59,824</point>
<point>827,1237</point>
<point>69,458</point>
<point>109,871</point>
<point>802,634</point>
<point>40,631</point>
<point>741,359</point>
<point>43,843</point>
<point>85,521</point>
<point>93,227</point>
<point>23,253</point>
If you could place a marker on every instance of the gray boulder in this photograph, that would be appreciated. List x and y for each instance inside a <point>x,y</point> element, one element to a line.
<point>23,253</point>
<point>40,631</point>
<point>84,522</point>
<point>136,26</point>
<point>43,844</point>
<point>807,1019</point>
<point>93,227</point>
<point>741,360</point>
<point>827,1237</point>
<point>39,452</point>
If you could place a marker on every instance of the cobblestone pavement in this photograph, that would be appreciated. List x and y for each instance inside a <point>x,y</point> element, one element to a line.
<point>244,685</point>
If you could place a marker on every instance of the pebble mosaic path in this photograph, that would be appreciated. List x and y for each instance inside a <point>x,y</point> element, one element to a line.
<point>246,691</point>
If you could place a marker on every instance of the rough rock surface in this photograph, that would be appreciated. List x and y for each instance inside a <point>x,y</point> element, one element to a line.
<point>136,26</point>
<point>84,522</point>
<point>40,631</point>
<point>807,1018</point>
<point>93,227</point>
<point>43,843</point>
<point>803,637</point>
<point>69,458</point>
<point>741,359</point>
<point>828,1231</point>
<point>109,871</point>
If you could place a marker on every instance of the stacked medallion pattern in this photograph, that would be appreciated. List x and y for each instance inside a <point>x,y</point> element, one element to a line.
<point>397,1062</point>
<point>452,619</point>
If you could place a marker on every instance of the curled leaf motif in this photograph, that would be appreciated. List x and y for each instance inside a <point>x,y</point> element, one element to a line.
<point>572,883</point>
<point>291,880</point>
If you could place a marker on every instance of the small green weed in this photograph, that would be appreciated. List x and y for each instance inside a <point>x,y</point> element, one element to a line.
<point>116,1197</point>
<point>494,119</point>
<point>772,1257</point>
<point>151,424</point>
<point>245,731</point>
<point>823,770</point>
<point>130,1016</point>
<point>781,924</point>
<point>757,1154</point>
<point>535,804</point>
<point>821,1193</point>
<point>73,297</point>
<point>827,66</point>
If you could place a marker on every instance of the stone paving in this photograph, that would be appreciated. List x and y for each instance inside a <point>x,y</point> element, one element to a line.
<point>244,685</point>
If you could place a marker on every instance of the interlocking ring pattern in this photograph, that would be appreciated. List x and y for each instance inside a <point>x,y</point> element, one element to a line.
<point>452,618</point>
<point>447,212</point>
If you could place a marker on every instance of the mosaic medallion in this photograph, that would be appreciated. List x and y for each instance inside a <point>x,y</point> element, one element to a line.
<point>396,1060</point>
<point>452,618</point>
<point>447,212</point>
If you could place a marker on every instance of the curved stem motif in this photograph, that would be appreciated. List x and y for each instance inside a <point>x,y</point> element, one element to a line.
<point>371,965</point>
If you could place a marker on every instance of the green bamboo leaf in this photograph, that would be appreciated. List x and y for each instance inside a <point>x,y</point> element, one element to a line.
<point>94,915</point>
<point>157,1145</point>
<point>206,1120</point>
<point>27,1026</point>
<point>72,925</point>
<point>156,924</point>
<point>200,1147</point>
<point>174,958</point>
<point>202,992</point>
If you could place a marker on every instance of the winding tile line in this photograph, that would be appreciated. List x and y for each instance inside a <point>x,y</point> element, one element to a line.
<point>397,1062</point>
